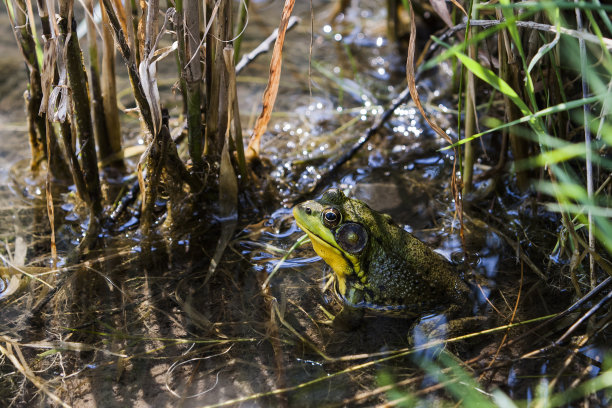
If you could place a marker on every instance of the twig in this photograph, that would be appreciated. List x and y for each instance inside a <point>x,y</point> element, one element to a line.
<point>534,26</point>
<point>23,368</point>
<point>127,199</point>
<point>557,317</point>
<point>573,327</point>
<point>264,46</point>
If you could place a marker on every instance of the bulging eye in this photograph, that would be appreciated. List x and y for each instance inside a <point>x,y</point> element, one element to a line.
<point>331,217</point>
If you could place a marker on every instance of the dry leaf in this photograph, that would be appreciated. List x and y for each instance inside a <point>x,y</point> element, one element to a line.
<point>440,8</point>
<point>228,202</point>
<point>47,74</point>
<point>272,88</point>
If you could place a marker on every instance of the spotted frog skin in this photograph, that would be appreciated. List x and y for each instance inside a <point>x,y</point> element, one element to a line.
<point>378,265</point>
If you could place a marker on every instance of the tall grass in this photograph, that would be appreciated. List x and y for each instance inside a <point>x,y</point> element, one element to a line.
<point>79,100</point>
<point>553,75</point>
<point>548,64</point>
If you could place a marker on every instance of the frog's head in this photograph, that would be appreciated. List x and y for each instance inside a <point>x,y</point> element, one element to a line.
<point>337,227</point>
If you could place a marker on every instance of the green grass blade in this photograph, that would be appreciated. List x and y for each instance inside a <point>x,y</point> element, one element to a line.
<point>542,113</point>
<point>493,80</point>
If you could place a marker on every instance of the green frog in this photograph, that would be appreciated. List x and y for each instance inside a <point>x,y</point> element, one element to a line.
<point>378,265</point>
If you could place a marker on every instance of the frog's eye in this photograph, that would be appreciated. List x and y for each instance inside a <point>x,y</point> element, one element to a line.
<point>352,237</point>
<point>331,217</point>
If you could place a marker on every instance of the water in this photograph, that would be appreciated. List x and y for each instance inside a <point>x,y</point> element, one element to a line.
<point>159,331</point>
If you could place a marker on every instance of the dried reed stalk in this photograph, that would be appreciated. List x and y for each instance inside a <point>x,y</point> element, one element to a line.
<point>57,163</point>
<point>271,90</point>
<point>216,110</point>
<point>470,114</point>
<point>157,148</point>
<point>130,58</point>
<point>109,91</point>
<point>192,73</point>
<point>411,79</point>
<point>99,120</point>
<point>234,115</point>
<point>155,162</point>
<point>77,80</point>
<point>36,124</point>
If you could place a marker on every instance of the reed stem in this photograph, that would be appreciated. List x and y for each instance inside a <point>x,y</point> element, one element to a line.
<point>77,80</point>
<point>130,58</point>
<point>192,73</point>
<point>99,120</point>
<point>109,91</point>
<point>33,96</point>
<point>228,53</point>
<point>242,21</point>
<point>470,112</point>
<point>216,118</point>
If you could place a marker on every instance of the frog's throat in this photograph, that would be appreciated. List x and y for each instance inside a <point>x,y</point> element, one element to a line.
<point>342,264</point>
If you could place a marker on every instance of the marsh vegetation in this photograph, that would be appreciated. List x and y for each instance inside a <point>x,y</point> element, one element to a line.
<point>152,153</point>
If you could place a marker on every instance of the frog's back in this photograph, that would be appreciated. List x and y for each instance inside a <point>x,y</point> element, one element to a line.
<point>407,272</point>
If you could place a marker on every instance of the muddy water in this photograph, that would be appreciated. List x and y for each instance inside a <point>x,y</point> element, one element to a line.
<point>170,337</point>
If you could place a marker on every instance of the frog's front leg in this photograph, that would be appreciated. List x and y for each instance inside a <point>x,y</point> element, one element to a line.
<point>349,318</point>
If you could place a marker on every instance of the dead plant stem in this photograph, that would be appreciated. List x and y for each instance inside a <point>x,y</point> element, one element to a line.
<point>129,58</point>
<point>109,91</point>
<point>540,27</point>
<point>77,80</point>
<point>21,366</point>
<point>508,71</point>
<point>155,163</point>
<point>234,117</point>
<point>242,21</point>
<point>192,73</point>
<point>470,112</point>
<point>216,112</point>
<point>73,161</point>
<point>100,131</point>
<point>33,96</point>
<point>271,90</point>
